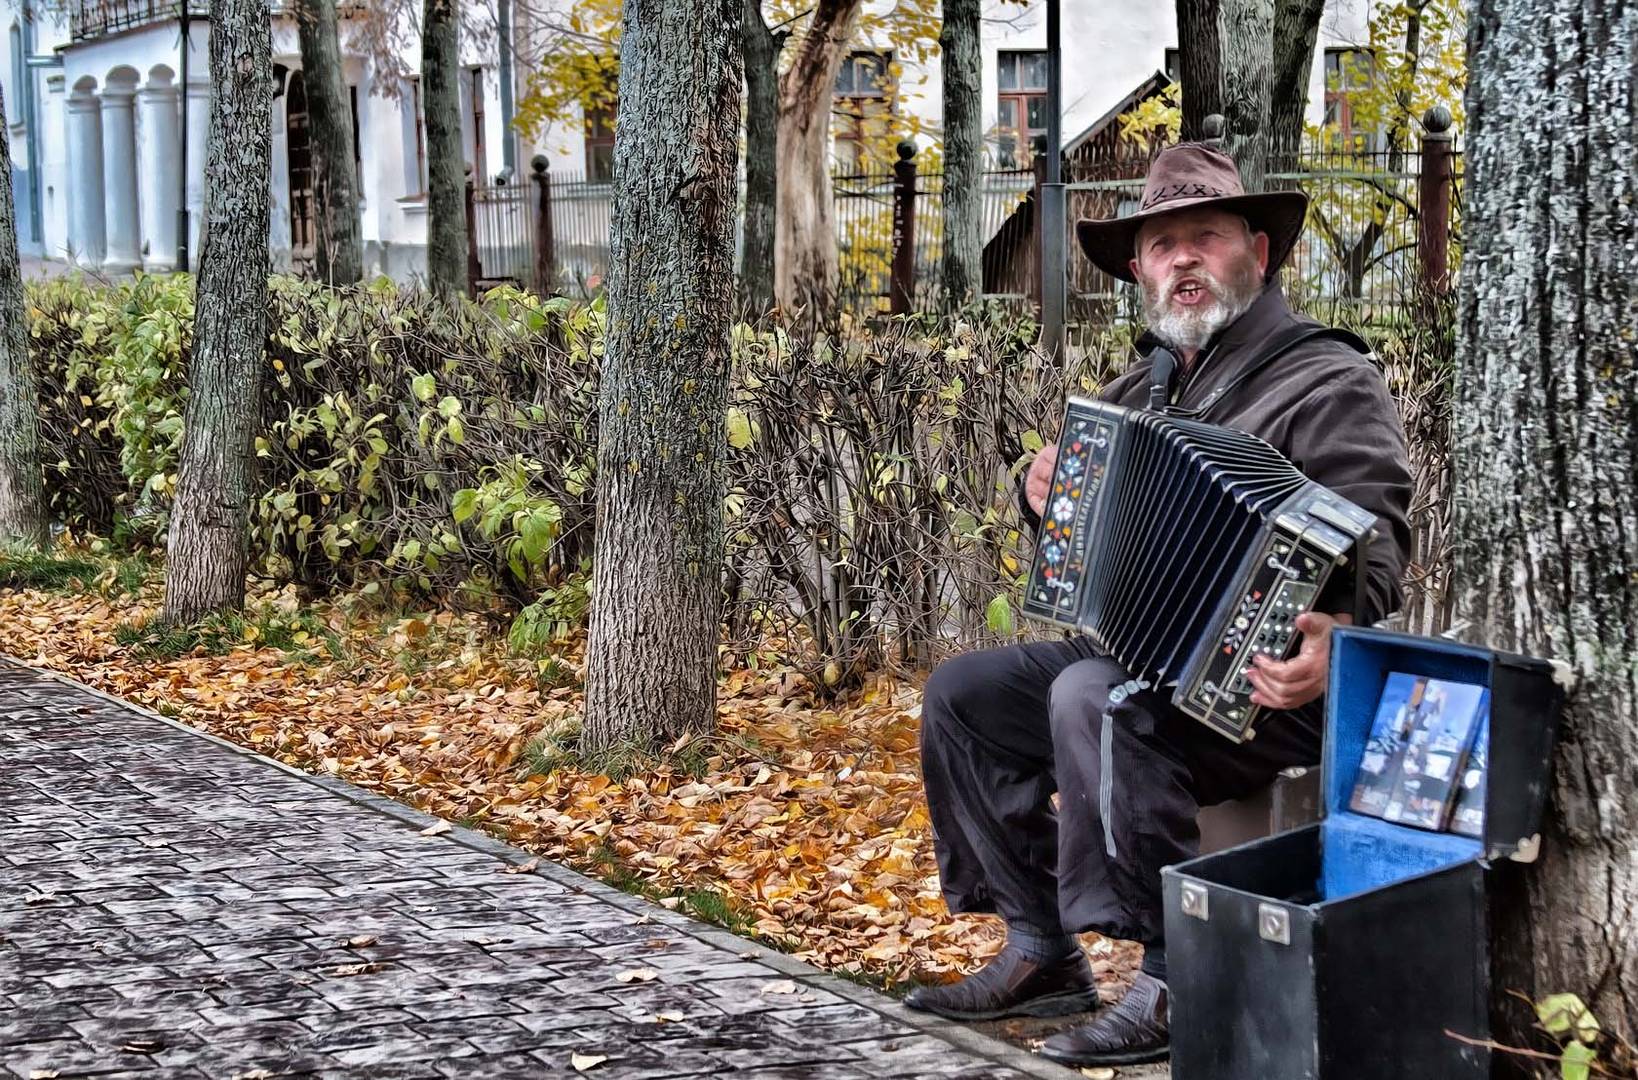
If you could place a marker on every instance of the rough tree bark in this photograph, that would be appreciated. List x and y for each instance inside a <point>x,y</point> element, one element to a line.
<point>22,498</point>
<point>446,165</point>
<point>1246,37</point>
<point>1199,67</point>
<point>339,243</point>
<point>1296,28</point>
<point>805,268</point>
<point>657,600</point>
<point>1546,477</point>
<point>963,269</point>
<point>206,553</point>
<point>756,267</point>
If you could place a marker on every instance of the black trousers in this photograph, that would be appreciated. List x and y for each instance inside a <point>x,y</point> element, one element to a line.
<point>1002,729</point>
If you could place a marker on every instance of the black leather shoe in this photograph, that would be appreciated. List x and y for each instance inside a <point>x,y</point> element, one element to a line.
<point>1131,1032</point>
<point>1013,985</point>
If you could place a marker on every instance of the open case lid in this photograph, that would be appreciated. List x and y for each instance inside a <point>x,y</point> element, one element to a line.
<point>1525,701</point>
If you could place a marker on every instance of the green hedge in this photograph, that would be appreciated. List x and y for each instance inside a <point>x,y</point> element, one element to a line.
<point>405,442</point>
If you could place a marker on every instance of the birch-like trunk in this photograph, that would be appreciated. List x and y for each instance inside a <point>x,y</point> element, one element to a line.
<point>651,659</point>
<point>339,243</point>
<point>1246,37</point>
<point>22,499</point>
<point>756,266</point>
<point>963,82</point>
<point>446,164</point>
<point>206,553</point>
<point>805,267</point>
<point>1199,69</point>
<point>1546,461</point>
<point>1296,27</point>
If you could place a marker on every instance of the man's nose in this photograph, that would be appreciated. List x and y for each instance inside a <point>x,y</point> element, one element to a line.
<point>1186,257</point>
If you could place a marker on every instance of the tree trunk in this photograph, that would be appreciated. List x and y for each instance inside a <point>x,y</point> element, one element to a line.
<point>339,244</point>
<point>657,600</point>
<point>963,271</point>
<point>1246,35</point>
<point>805,269</point>
<point>1546,476</point>
<point>205,563</point>
<point>1296,27</point>
<point>756,267</point>
<point>446,171</point>
<point>22,498</point>
<point>1199,64</point>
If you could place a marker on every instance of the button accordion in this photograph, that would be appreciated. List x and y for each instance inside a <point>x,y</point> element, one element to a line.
<point>1183,550</point>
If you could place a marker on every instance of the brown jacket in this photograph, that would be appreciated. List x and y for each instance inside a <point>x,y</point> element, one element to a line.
<point>1324,406</point>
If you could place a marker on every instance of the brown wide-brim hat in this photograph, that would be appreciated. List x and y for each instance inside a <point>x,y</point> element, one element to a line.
<point>1185,177</point>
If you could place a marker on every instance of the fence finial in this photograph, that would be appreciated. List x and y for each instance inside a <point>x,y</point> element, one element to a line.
<point>1437,120</point>
<point>1212,129</point>
<point>907,149</point>
<point>539,164</point>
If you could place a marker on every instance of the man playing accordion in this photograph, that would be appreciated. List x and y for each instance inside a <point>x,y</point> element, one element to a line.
<point>1005,729</point>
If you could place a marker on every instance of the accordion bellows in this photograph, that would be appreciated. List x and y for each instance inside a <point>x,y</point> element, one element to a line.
<point>1183,550</point>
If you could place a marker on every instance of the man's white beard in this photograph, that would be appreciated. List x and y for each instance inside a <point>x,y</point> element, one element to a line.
<point>1189,329</point>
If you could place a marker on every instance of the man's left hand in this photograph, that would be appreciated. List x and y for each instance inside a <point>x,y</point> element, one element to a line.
<point>1290,684</point>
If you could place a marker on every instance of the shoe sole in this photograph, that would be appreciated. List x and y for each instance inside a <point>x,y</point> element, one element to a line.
<point>1049,1005</point>
<point>1135,1057</point>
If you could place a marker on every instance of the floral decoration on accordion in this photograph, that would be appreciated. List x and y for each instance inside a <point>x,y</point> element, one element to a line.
<point>1083,459</point>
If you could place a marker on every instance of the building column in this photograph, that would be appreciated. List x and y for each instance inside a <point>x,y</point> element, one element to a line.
<point>86,239</point>
<point>198,145</point>
<point>159,152</point>
<point>119,179</point>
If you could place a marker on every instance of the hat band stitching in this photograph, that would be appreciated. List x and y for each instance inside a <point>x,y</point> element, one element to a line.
<point>1181,191</point>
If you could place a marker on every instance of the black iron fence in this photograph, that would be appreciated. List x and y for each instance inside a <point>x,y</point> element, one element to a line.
<point>1383,224</point>
<point>93,18</point>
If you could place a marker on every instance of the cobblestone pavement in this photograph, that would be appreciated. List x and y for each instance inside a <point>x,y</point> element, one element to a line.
<point>173,906</point>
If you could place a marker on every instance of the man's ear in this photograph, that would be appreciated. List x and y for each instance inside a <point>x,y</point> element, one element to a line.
<point>1259,244</point>
<point>1135,267</point>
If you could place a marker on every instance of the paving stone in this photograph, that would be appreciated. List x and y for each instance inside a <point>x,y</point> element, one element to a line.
<point>188,909</point>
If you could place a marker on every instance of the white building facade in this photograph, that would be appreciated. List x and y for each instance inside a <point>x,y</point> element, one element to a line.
<point>108,139</point>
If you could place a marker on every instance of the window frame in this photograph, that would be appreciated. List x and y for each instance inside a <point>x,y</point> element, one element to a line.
<point>852,109</point>
<point>1016,144</point>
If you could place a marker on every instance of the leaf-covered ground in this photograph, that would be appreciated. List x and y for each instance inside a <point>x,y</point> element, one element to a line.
<point>800,823</point>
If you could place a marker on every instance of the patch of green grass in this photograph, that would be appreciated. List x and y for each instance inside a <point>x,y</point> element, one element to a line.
<point>155,639</point>
<point>713,907</point>
<point>23,569</point>
<point>131,574</point>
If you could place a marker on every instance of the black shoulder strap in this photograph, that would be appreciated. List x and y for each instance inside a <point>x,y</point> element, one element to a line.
<point>1277,347</point>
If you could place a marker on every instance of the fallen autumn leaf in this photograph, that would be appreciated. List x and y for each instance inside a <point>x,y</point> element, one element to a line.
<point>632,975</point>
<point>581,1062</point>
<point>437,830</point>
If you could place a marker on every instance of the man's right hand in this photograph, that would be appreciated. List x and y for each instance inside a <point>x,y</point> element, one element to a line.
<point>1038,484</point>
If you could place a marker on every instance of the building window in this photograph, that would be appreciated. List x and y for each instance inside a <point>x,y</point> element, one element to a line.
<point>358,153</point>
<point>1174,65</point>
<point>472,100</point>
<point>1347,71</point>
<point>861,106</point>
<point>418,180</point>
<point>1021,107</point>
